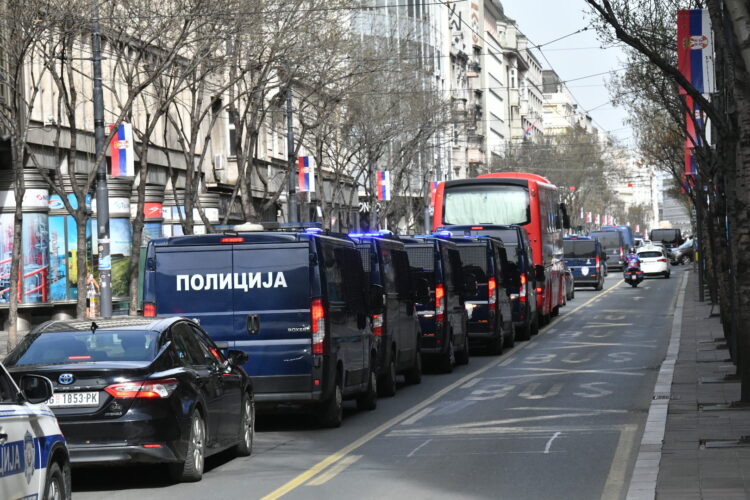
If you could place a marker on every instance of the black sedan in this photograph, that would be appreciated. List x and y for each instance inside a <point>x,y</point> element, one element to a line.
<point>141,390</point>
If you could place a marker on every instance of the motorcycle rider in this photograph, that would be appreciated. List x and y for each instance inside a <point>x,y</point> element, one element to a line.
<point>632,261</point>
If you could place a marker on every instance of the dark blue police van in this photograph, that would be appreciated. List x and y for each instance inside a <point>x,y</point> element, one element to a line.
<point>489,311</point>
<point>297,301</point>
<point>395,325</point>
<point>519,253</point>
<point>583,257</point>
<point>436,266</point>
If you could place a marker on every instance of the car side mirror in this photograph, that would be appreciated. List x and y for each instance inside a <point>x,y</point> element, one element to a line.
<point>421,291</point>
<point>237,357</point>
<point>36,388</point>
<point>377,302</point>
<point>539,273</point>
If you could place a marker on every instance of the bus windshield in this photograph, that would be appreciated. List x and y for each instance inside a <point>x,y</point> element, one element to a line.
<point>492,204</point>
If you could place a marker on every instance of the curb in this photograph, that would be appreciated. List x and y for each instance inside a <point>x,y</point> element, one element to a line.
<point>643,481</point>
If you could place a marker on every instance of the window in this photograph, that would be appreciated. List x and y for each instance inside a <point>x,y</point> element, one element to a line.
<point>186,346</point>
<point>332,274</point>
<point>403,276</point>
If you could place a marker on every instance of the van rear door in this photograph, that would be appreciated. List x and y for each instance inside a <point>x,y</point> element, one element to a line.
<point>271,301</point>
<point>181,285</point>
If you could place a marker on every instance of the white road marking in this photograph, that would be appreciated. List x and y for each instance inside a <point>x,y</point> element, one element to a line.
<point>415,418</point>
<point>556,371</point>
<point>549,443</point>
<point>507,362</point>
<point>418,448</point>
<point>528,393</point>
<point>606,325</point>
<point>619,468</point>
<point>471,383</point>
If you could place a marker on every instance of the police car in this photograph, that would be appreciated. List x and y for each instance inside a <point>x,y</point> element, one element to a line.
<point>34,462</point>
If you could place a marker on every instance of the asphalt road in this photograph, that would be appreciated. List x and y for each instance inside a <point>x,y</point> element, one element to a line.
<point>560,416</point>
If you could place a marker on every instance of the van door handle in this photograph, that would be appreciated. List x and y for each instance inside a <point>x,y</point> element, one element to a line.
<point>253,324</point>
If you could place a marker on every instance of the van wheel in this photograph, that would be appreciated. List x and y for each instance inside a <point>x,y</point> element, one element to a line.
<point>191,469</point>
<point>526,331</point>
<point>555,311</point>
<point>599,286</point>
<point>447,360</point>
<point>414,375</point>
<point>387,384</point>
<point>369,399</point>
<point>510,340</point>
<point>462,356</point>
<point>496,346</point>
<point>535,324</point>
<point>332,412</point>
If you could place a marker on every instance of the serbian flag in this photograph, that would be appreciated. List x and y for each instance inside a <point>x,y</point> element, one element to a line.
<point>306,174</point>
<point>588,217</point>
<point>597,219</point>
<point>433,192</point>
<point>695,49</point>
<point>581,216</point>
<point>384,185</point>
<point>121,149</point>
<point>637,228</point>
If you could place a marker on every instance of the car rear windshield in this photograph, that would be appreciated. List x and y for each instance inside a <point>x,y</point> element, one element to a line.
<point>609,239</point>
<point>486,204</point>
<point>643,255</point>
<point>474,260</point>
<point>579,249</point>
<point>85,347</point>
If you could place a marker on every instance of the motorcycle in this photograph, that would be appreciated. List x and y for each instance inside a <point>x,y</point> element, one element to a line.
<point>633,276</point>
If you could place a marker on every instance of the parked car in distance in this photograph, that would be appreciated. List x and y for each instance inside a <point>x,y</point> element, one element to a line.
<point>130,390</point>
<point>519,253</point>
<point>583,258</point>
<point>654,261</point>
<point>294,298</point>
<point>436,264</point>
<point>490,317</point>
<point>395,324</point>
<point>638,242</point>
<point>683,254</point>
<point>33,454</point>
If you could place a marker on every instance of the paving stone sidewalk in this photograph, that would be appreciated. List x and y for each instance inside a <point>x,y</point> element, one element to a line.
<point>700,456</point>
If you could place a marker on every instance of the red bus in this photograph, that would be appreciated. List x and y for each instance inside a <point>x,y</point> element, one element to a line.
<point>527,200</point>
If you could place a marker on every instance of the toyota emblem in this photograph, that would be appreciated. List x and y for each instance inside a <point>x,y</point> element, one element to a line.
<point>65,378</point>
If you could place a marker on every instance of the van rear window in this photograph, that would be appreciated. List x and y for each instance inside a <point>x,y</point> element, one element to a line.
<point>608,239</point>
<point>474,260</point>
<point>579,249</point>
<point>422,256</point>
<point>364,253</point>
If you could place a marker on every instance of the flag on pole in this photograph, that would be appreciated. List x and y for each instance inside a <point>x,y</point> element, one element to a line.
<point>581,215</point>
<point>433,192</point>
<point>597,220</point>
<point>695,49</point>
<point>306,174</point>
<point>384,185</point>
<point>121,149</point>
<point>588,217</point>
<point>637,228</point>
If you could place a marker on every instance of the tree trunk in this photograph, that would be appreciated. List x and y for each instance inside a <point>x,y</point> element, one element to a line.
<point>16,266</point>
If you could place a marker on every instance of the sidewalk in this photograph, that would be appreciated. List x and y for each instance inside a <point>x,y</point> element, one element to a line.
<point>701,456</point>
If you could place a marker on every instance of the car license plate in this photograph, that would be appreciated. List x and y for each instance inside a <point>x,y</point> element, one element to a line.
<point>70,399</point>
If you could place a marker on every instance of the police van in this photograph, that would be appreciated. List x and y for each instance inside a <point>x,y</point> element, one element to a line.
<point>34,460</point>
<point>296,301</point>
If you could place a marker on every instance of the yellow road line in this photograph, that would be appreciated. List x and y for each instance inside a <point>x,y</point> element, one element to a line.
<point>346,450</point>
<point>334,471</point>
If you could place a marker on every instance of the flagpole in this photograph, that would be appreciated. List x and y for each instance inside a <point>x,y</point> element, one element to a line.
<point>102,193</point>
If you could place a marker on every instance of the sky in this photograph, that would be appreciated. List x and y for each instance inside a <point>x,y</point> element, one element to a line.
<point>576,56</point>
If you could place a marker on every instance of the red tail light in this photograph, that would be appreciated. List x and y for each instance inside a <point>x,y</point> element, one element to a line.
<point>540,291</point>
<point>318,317</point>
<point>597,262</point>
<point>149,309</point>
<point>662,260</point>
<point>377,325</point>
<point>440,303</point>
<point>233,239</point>
<point>621,254</point>
<point>491,297</point>
<point>143,389</point>
<point>522,291</point>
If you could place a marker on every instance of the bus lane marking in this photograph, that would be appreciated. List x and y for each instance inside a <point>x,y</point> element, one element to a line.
<point>549,443</point>
<point>415,450</point>
<point>418,416</point>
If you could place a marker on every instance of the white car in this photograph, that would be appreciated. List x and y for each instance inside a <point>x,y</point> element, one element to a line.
<point>34,461</point>
<point>654,261</point>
